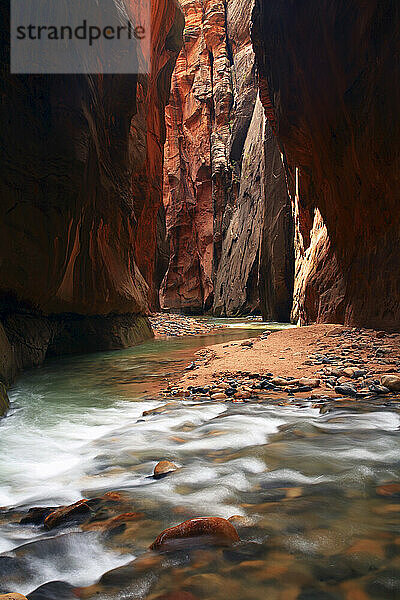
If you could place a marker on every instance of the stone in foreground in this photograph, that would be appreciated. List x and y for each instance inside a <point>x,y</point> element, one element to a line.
<point>209,530</point>
<point>163,468</point>
<point>12,596</point>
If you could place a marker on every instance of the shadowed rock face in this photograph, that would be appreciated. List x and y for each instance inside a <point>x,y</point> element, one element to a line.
<point>223,212</point>
<point>328,86</point>
<point>80,185</point>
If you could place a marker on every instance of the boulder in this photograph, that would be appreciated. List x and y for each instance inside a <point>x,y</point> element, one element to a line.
<point>194,532</point>
<point>65,515</point>
<point>392,382</point>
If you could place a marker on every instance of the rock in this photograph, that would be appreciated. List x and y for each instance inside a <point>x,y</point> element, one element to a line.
<point>80,255</point>
<point>388,489</point>
<point>242,395</point>
<point>4,401</point>
<point>378,389</point>
<point>163,468</point>
<point>54,590</point>
<point>210,193</point>
<point>279,381</point>
<point>331,146</point>
<point>219,396</point>
<point>203,530</point>
<point>77,512</point>
<point>346,390</point>
<point>385,584</point>
<point>392,382</point>
<point>37,515</point>
<point>349,372</point>
<point>310,382</point>
<point>12,596</point>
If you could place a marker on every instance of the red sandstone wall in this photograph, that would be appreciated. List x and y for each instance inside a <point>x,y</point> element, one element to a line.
<point>327,80</point>
<point>217,184</point>
<point>81,183</point>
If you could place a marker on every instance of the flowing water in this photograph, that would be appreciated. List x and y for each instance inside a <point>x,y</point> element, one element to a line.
<point>302,481</point>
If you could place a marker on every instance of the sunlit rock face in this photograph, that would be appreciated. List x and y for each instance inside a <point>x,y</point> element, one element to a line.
<point>217,184</point>
<point>328,86</point>
<point>81,191</point>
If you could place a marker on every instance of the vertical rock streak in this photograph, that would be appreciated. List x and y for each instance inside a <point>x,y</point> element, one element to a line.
<point>221,203</point>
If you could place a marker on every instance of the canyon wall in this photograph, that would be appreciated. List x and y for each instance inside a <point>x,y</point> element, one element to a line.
<point>329,88</point>
<point>81,174</point>
<point>224,213</point>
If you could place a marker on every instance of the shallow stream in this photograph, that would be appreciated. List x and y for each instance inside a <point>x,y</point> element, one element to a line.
<point>316,526</point>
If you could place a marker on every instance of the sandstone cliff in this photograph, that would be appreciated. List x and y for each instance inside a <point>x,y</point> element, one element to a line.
<point>80,185</point>
<point>225,215</point>
<point>328,86</point>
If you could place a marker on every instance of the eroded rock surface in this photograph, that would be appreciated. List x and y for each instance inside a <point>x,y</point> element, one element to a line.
<point>328,89</point>
<point>224,211</point>
<point>81,194</point>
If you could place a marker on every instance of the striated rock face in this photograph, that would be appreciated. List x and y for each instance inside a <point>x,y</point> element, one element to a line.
<point>81,193</point>
<point>197,120</point>
<point>217,183</point>
<point>327,84</point>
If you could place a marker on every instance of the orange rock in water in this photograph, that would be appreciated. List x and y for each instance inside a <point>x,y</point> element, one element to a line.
<point>67,513</point>
<point>212,530</point>
<point>15,596</point>
<point>388,489</point>
<point>163,468</point>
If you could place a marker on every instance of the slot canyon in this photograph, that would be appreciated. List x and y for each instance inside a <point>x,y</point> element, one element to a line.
<point>200,306</point>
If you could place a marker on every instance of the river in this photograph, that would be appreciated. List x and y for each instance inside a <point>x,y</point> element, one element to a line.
<point>305,480</point>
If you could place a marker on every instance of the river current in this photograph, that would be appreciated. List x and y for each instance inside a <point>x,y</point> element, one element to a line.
<point>304,480</point>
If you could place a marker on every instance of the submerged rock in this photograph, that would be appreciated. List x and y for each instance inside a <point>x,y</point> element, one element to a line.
<point>211,530</point>
<point>4,401</point>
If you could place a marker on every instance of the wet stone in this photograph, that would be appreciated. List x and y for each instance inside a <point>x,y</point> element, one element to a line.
<point>54,590</point>
<point>311,593</point>
<point>244,551</point>
<point>385,585</point>
<point>346,390</point>
<point>163,468</point>
<point>200,531</point>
